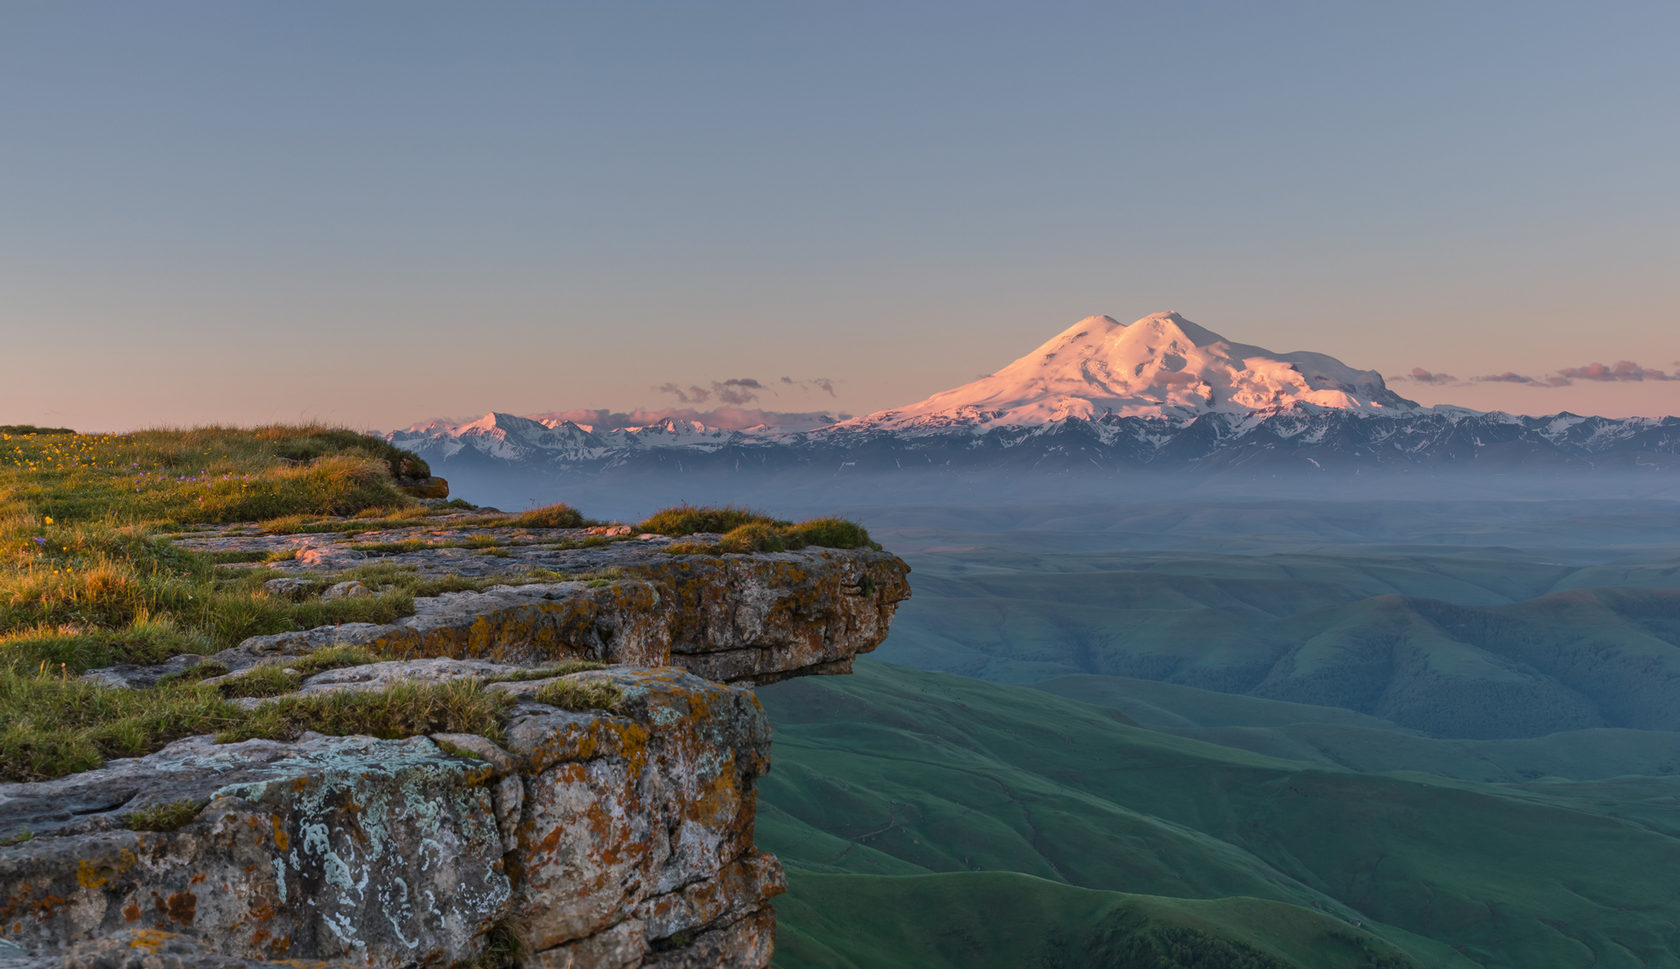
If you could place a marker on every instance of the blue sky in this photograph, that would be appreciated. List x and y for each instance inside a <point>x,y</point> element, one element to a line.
<point>376,213</point>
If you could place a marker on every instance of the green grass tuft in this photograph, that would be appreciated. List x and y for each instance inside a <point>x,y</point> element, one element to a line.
<point>828,533</point>
<point>163,817</point>
<point>689,519</point>
<point>580,695</point>
<point>260,681</point>
<point>282,677</point>
<point>765,535</point>
<point>332,658</point>
<point>55,726</point>
<point>319,442</point>
<point>551,516</point>
<point>401,710</point>
<point>761,536</point>
<point>748,531</point>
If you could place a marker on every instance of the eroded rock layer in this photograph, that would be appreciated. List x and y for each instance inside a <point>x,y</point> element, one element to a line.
<point>733,619</point>
<point>730,618</point>
<point>618,838</point>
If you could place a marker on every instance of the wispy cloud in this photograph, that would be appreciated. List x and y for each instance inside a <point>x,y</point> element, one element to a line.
<point>820,383</point>
<point>735,391</point>
<point>740,391</point>
<point>1422,376</point>
<point>692,395</point>
<point>1620,371</point>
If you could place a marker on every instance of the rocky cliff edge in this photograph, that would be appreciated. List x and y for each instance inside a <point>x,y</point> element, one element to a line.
<point>605,821</point>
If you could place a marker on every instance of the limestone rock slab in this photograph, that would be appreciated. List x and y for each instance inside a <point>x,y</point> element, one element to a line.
<point>381,852</point>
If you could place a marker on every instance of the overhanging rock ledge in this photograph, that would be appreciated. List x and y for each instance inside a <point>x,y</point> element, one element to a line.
<point>618,837</point>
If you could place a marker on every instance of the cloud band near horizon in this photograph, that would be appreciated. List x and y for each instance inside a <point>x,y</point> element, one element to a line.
<point>1622,371</point>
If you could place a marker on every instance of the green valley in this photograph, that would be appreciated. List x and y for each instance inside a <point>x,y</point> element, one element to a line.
<point>937,799</point>
<point>1356,734</point>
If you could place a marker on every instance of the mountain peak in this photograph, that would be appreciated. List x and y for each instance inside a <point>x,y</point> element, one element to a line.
<point>1161,365</point>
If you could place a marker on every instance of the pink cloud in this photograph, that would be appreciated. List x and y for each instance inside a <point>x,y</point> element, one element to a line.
<point>1620,370</point>
<point>1422,376</point>
<point>740,391</point>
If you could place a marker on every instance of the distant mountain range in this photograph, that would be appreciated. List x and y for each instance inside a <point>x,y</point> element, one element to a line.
<point>1159,393</point>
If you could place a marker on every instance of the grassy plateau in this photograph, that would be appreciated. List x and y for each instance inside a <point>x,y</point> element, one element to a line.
<point>89,578</point>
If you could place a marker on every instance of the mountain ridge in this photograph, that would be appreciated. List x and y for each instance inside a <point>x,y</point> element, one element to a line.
<point>1160,392</point>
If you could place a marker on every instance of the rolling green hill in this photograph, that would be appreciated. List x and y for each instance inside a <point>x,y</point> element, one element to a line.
<point>899,797</point>
<point>1342,738</point>
<point>1454,643</point>
<point>973,919</point>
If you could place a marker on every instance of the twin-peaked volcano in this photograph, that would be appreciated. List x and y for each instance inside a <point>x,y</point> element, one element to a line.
<point>1160,366</point>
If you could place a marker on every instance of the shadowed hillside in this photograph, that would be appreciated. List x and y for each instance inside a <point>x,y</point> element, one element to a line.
<point>1453,640</point>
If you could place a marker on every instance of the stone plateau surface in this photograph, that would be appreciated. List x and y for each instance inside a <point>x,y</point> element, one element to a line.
<point>619,836</point>
<point>733,618</point>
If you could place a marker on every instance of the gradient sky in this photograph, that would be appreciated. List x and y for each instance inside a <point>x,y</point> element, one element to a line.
<point>378,213</point>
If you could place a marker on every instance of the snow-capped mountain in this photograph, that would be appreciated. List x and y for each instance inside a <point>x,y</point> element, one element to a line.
<point>1160,366</point>
<point>670,432</point>
<point>540,440</point>
<point>1161,392</point>
<point>501,437</point>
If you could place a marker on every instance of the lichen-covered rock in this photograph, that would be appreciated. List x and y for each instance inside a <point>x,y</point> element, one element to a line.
<point>344,590</point>
<point>731,618</point>
<point>328,848</point>
<point>634,809</point>
<point>381,676</point>
<point>288,587</point>
<point>137,676</point>
<point>762,618</point>
<point>747,941</point>
<point>157,949</point>
<point>604,837</point>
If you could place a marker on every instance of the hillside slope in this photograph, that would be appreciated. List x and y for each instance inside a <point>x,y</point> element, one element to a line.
<point>894,775</point>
